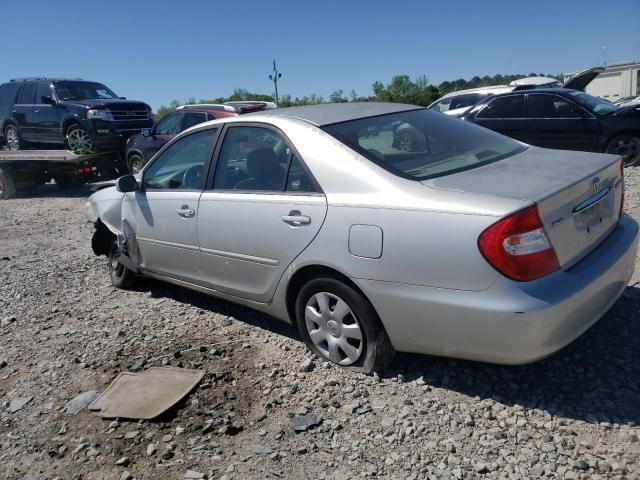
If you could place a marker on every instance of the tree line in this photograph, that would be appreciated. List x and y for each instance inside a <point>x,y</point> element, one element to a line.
<point>401,89</point>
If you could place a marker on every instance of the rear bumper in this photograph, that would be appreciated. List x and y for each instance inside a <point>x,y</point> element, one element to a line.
<point>511,322</point>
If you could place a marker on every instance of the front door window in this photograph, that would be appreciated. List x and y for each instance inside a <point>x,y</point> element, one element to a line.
<point>182,165</point>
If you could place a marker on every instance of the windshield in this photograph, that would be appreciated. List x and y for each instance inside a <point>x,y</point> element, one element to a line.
<point>593,104</point>
<point>74,90</point>
<point>421,144</point>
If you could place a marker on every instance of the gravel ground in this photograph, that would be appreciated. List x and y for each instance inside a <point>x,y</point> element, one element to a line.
<point>64,331</point>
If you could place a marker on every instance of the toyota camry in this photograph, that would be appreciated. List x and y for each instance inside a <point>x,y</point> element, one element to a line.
<point>469,245</point>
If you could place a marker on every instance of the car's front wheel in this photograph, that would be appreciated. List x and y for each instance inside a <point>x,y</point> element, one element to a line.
<point>121,276</point>
<point>340,325</point>
<point>12,138</point>
<point>627,146</point>
<point>136,162</point>
<point>78,140</point>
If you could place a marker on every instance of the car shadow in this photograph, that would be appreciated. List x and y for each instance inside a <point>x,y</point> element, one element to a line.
<point>51,190</point>
<point>159,289</point>
<point>595,379</point>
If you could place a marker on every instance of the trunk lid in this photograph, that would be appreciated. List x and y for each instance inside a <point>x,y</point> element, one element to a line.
<point>581,79</point>
<point>578,194</point>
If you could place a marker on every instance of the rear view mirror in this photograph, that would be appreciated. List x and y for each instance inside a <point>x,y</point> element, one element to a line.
<point>125,184</point>
<point>47,100</point>
<point>146,132</point>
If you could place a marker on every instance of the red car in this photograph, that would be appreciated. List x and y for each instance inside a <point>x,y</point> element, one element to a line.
<point>143,146</point>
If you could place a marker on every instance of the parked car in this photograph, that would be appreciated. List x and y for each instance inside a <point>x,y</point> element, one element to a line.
<point>563,119</point>
<point>626,101</point>
<point>458,103</point>
<point>478,247</point>
<point>75,114</point>
<point>141,147</point>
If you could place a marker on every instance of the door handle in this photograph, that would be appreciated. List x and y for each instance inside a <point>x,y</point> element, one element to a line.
<point>185,212</point>
<point>296,218</point>
<point>36,111</point>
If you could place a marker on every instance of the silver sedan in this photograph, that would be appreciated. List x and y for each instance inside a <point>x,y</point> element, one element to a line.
<point>376,228</point>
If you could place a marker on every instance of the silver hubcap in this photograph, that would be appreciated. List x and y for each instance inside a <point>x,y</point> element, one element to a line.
<point>78,139</point>
<point>13,142</point>
<point>136,165</point>
<point>406,143</point>
<point>333,328</point>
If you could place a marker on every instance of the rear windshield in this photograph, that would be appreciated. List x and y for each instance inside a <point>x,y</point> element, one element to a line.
<point>422,144</point>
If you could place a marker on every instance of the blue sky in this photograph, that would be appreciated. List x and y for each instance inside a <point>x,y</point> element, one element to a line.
<point>160,50</point>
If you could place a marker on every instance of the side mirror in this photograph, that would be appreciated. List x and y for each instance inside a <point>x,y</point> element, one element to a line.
<point>123,98</point>
<point>125,184</point>
<point>146,132</point>
<point>47,100</point>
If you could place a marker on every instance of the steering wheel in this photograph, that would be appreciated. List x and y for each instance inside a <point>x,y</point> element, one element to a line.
<point>192,178</point>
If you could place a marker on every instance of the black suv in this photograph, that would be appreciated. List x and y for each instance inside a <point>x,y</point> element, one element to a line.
<point>83,116</point>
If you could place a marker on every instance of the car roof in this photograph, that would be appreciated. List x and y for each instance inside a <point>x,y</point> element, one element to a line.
<point>487,89</point>
<point>329,113</point>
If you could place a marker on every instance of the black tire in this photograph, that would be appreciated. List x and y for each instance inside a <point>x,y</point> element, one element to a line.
<point>627,146</point>
<point>76,145</point>
<point>121,276</point>
<point>376,352</point>
<point>7,185</point>
<point>11,131</point>
<point>135,163</point>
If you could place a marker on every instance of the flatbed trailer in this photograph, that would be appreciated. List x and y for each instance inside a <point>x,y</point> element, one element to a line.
<point>25,169</point>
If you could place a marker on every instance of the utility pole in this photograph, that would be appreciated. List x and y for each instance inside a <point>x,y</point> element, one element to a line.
<point>604,55</point>
<point>275,76</point>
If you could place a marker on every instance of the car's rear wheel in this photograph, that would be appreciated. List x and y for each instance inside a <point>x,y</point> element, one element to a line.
<point>406,142</point>
<point>340,325</point>
<point>78,140</point>
<point>121,276</point>
<point>627,146</point>
<point>135,164</point>
<point>12,138</point>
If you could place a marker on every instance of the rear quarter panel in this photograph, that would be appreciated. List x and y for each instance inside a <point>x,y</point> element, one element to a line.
<point>435,249</point>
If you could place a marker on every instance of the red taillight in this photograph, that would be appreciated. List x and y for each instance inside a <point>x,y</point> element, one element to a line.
<point>621,185</point>
<point>518,247</point>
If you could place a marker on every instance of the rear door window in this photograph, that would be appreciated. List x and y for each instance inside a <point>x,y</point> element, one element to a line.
<point>252,158</point>
<point>193,118</point>
<point>511,106</point>
<point>541,105</point>
<point>28,92</point>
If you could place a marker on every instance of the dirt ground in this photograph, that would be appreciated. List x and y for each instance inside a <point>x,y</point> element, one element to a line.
<point>64,331</point>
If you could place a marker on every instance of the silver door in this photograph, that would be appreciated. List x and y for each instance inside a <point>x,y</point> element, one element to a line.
<point>263,209</point>
<point>162,215</point>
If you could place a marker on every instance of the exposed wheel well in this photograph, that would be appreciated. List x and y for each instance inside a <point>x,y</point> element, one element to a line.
<point>102,239</point>
<point>67,123</point>
<point>310,272</point>
<point>132,153</point>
